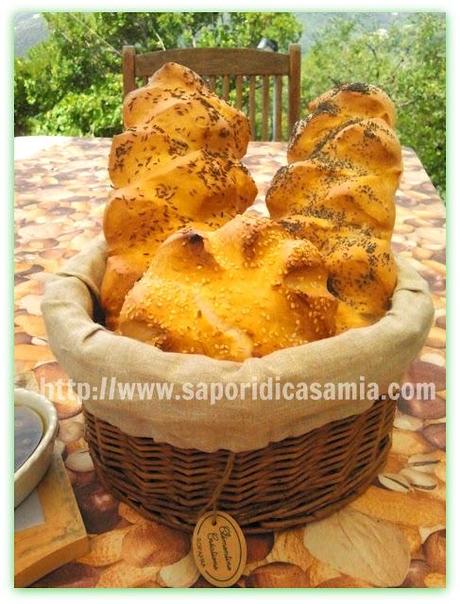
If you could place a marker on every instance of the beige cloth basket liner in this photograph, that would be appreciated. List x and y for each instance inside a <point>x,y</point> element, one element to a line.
<point>88,351</point>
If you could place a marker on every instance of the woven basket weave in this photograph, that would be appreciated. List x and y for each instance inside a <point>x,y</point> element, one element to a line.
<point>294,481</point>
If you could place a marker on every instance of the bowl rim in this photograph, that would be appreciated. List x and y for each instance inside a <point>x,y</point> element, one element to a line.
<point>49,417</point>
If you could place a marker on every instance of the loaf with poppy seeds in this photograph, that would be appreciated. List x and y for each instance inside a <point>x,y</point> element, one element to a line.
<point>177,162</point>
<point>338,192</point>
<point>245,289</point>
<point>332,109</point>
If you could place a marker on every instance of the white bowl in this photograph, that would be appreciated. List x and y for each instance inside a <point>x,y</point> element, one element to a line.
<point>27,477</point>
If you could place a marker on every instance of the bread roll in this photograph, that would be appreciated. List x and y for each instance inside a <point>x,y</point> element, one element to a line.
<point>245,289</point>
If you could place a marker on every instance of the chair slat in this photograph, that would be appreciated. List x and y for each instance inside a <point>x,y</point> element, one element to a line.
<point>205,61</point>
<point>265,106</point>
<point>252,105</point>
<point>294,85</point>
<point>225,87</point>
<point>239,91</point>
<point>212,83</point>
<point>277,126</point>
<point>129,69</point>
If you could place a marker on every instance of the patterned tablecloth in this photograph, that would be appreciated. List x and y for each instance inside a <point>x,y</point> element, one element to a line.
<point>59,205</point>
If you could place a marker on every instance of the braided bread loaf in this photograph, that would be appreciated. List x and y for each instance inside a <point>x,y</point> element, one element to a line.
<point>245,289</point>
<point>176,163</point>
<point>338,192</point>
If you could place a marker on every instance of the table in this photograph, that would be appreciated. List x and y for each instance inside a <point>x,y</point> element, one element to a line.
<point>60,199</point>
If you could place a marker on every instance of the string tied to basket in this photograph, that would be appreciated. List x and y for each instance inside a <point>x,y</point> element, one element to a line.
<point>214,499</point>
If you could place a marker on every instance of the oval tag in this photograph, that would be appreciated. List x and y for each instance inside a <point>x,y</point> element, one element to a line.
<point>219,549</point>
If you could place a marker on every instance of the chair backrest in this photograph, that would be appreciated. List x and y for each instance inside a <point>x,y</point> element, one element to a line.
<point>236,74</point>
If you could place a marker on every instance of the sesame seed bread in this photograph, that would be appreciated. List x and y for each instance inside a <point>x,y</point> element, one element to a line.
<point>244,290</point>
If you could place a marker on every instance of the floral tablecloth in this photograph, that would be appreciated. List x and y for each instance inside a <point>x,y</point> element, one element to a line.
<point>392,535</point>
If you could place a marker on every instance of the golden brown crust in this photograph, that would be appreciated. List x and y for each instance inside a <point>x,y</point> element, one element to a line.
<point>178,100</point>
<point>246,289</point>
<point>362,275</point>
<point>360,99</point>
<point>176,163</point>
<point>350,198</point>
<point>234,287</point>
<point>334,108</point>
<point>338,192</point>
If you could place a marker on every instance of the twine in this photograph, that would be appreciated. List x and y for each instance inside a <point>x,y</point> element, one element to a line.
<point>213,501</point>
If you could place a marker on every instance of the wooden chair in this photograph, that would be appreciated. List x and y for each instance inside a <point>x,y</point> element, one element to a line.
<point>246,70</point>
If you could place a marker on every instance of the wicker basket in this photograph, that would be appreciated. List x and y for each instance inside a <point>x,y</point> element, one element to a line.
<point>269,465</point>
<point>287,483</point>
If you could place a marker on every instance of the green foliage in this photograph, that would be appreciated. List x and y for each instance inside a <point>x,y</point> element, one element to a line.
<point>408,61</point>
<point>71,83</point>
<point>96,111</point>
<point>246,30</point>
